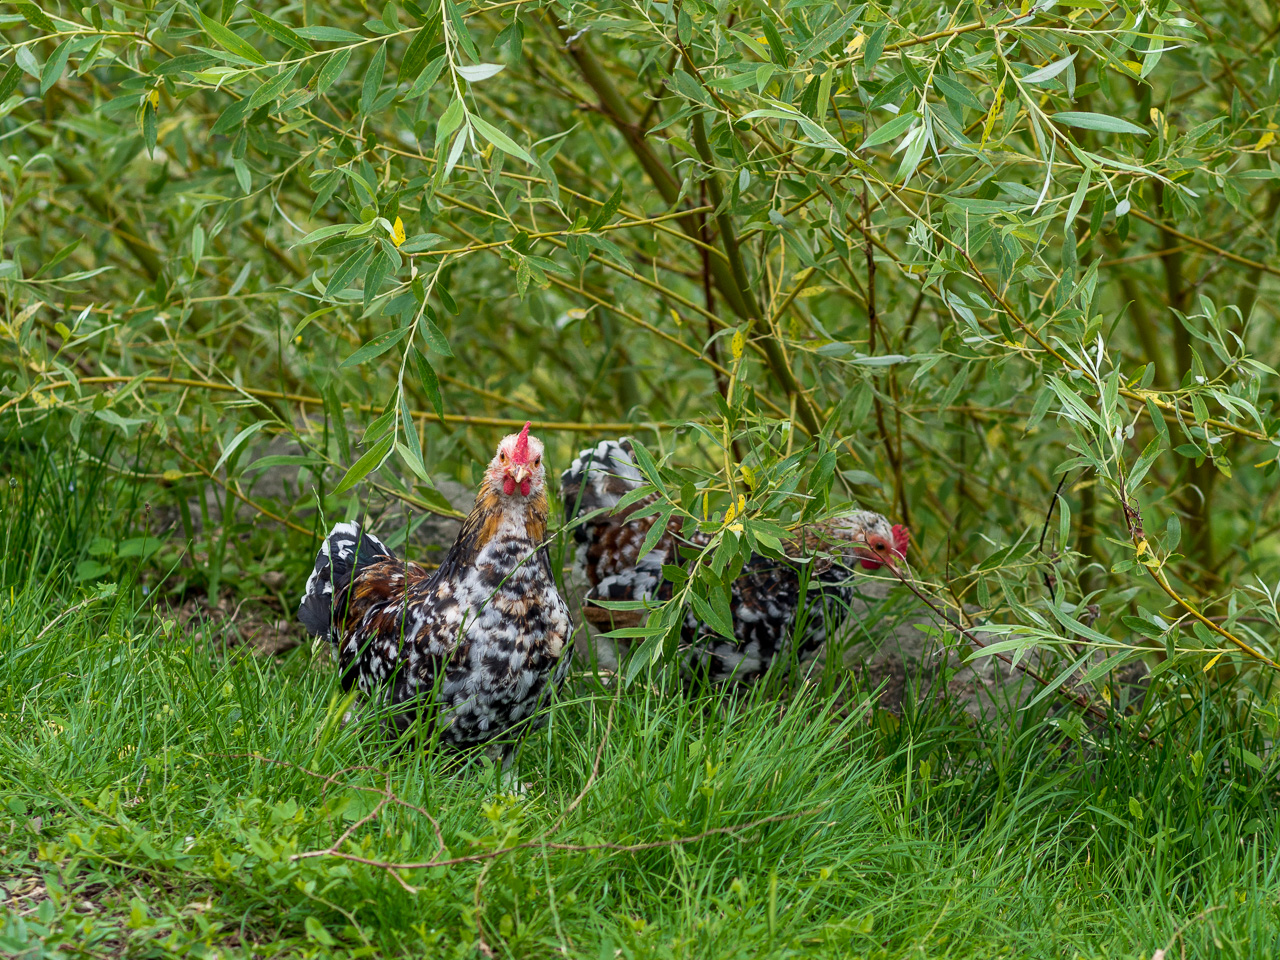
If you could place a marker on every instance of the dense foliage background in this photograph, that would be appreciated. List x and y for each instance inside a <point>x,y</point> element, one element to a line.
<point>972,265</point>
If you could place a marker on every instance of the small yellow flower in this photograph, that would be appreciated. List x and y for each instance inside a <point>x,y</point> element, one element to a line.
<point>397,232</point>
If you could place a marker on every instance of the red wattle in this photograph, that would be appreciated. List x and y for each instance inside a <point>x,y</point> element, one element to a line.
<point>508,486</point>
<point>524,487</point>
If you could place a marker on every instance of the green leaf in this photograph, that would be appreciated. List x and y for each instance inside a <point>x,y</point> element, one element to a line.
<point>332,69</point>
<point>1050,71</point>
<point>414,447</point>
<point>1144,627</point>
<point>421,243</point>
<point>65,251</point>
<point>500,139</point>
<point>777,49</point>
<point>272,89</point>
<point>372,80</point>
<point>54,66</point>
<point>375,347</point>
<point>690,88</point>
<point>243,175</point>
<point>236,441</point>
<point>827,36</point>
<point>285,34</point>
<point>415,57</point>
<point>450,120</point>
<point>644,460</point>
<point>711,616</point>
<point>891,130</point>
<point>374,276</point>
<point>1098,121</point>
<point>435,339</point>
<point>329,35</point>
<point>316,931</point>
<point>231,117</point>
<point>149,128</point>
<point>333,410</point>
<point>362,467</point>
<point>1077,200</point>
<point>1039,408</point>
<point>430,382</point>
<point>956,92</point>
<point>231,41</point>
<point>284,460</point>
<point>349,268</point>
<point>426,78</point>
<point>36,17</point>
<point>90,570</point>
<point>332,230</point>
<point>605,213</point>
<point>306,321</point>
<point>9,82</point>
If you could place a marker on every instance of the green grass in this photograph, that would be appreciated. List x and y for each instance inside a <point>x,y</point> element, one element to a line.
<point>158,784</point>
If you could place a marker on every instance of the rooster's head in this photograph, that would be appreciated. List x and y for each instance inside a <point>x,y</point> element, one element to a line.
<point>518,465</point>
<point>875,543</point>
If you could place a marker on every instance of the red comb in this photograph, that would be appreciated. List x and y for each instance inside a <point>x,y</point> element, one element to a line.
<point>521,452</point>
<point>901,540</point>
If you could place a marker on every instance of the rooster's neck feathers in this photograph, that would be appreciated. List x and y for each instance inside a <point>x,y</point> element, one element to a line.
<point>516,525</point>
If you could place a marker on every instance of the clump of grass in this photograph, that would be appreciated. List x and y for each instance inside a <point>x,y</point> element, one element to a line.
<point>161,789</point>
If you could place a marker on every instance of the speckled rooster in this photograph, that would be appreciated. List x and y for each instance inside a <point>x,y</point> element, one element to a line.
<point>765,599</point>
<point>471,648</point>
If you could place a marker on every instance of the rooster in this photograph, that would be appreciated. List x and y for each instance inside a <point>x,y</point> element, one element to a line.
<point>472,648</point>
<point>769,619</point>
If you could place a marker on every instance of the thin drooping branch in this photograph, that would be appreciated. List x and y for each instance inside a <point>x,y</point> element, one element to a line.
<point>895,461</point>
<point>1079,699</point>
<point>729,275</point>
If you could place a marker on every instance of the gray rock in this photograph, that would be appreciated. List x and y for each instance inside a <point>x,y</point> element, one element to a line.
<point>893,643</point>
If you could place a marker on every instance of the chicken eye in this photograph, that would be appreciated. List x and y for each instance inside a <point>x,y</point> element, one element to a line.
<point>502,457</point>
<point>537,461</point>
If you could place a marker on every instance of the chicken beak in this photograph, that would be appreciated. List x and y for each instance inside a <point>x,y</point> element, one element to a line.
<point>522,473</point>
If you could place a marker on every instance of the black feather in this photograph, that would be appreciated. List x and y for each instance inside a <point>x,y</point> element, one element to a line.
<point>344,551</point>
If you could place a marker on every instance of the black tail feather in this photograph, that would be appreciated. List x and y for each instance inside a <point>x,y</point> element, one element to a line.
<point>598,478</point>
<point>344,551</point>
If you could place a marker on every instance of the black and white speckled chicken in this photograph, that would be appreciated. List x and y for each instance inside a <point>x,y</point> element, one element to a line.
<point>470,649</point>
<point>765,599</point>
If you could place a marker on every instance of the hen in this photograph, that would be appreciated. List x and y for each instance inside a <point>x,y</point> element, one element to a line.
<point>472,648</point>
<point>765,599</point>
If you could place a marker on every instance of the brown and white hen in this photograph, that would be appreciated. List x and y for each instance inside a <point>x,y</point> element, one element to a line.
<point>771,617</point>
